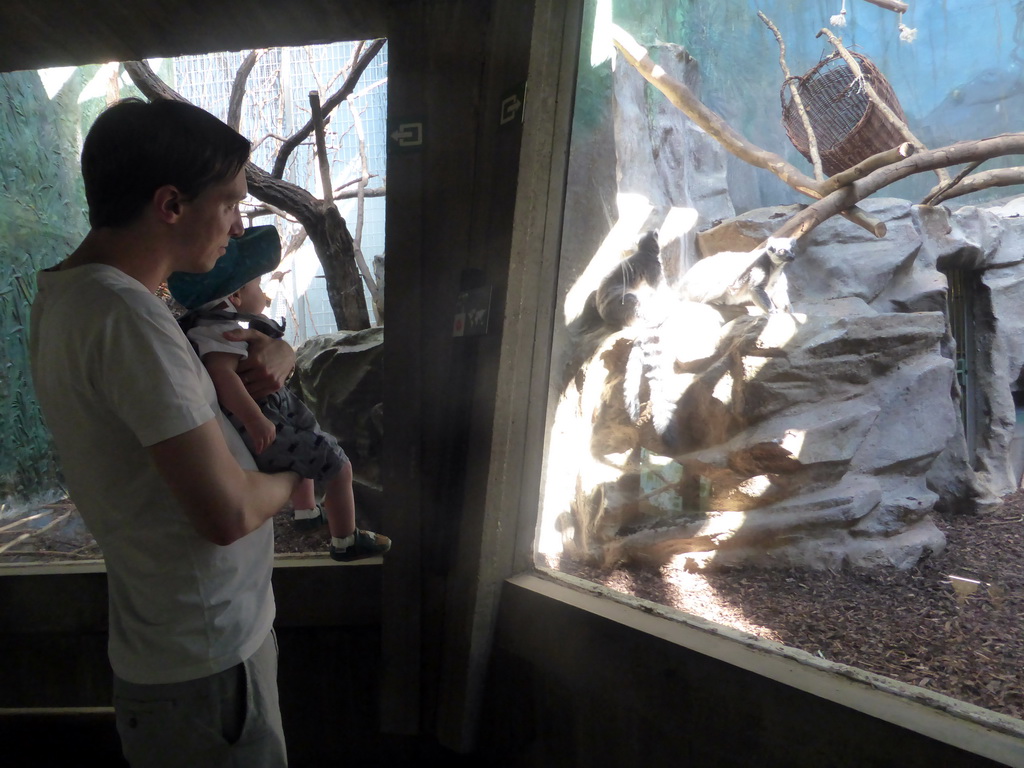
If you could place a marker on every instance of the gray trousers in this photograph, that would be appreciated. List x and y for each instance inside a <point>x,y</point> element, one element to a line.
<point>231,718</point>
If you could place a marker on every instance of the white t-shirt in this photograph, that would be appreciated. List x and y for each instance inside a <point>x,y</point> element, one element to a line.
<point>207,335</point>
<point>114,373</point>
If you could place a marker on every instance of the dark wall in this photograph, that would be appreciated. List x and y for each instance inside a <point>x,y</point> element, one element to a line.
<point>571,688</point>
<point>449,210</point>
<point>54,672</point>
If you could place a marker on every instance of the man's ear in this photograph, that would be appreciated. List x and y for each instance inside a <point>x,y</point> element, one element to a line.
<point>167,203</point>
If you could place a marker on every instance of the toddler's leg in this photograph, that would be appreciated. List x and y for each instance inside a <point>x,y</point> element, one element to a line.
<point>304,497</point>
<point>304,504</point>
<point>347,541</point>
<point>340,504</point>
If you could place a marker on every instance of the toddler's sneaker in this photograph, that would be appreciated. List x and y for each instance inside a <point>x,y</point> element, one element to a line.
<point>360,544</point>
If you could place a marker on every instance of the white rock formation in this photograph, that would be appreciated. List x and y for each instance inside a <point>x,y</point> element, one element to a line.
<point>823,437</point>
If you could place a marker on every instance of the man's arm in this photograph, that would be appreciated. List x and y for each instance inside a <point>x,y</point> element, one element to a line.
<point>223,501</point>
<point>269,364</point>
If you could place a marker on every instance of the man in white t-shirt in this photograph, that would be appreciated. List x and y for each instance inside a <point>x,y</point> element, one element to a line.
<point>163,482</point>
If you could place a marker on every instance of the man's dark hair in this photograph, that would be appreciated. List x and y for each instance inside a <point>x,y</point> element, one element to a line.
<point>136,147</point>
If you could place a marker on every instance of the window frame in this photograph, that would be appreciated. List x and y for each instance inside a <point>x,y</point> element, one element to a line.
<point>523,415</point>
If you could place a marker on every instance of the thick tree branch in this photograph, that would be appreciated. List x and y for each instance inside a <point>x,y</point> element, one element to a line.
<point>329,104</point>
<point>238,88</point>
<point>687,102</point>
<point>331,239</point>
<point>928,160</point>
<point>999,177</point>
<point>149,82</point>
<point>840,193</point>
<point>866,166</point>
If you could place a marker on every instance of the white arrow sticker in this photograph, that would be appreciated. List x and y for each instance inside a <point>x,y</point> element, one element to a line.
<point>408,135</point>
<point>510,107</point>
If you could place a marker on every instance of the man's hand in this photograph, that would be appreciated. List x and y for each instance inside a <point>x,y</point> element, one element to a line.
<point>268,365</point>
<point>222,501</point>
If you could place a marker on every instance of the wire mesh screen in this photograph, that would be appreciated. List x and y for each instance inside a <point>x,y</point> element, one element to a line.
<point>276,105</point>
<point>847,125</point>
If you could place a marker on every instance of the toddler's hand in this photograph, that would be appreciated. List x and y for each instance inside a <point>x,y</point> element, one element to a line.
<point>262,433</point>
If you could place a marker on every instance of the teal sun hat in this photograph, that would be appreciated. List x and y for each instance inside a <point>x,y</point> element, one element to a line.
<point>252,255</point>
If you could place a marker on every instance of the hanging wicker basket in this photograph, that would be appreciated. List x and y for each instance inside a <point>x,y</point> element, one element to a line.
<point>846,123</point>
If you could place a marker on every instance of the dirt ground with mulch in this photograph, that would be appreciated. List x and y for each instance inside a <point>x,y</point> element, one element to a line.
<point>953,624</point>
<point>55,533</point>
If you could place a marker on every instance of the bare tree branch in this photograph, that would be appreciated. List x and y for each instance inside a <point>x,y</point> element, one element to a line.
<point>356,181</point>
<point>364,177</point>
<point>238,87</point>
<point>276,192</point>
<point>794,90</point>
<point>267,210</point>
<point>928,160</point>
<point>298,237</point>
<point>321,219</point>
<point>942,189</point>
<point>686,101</point>
<point>368,89</point>
<point>890,5</point>
<point>266,136</point>
<point>998,177</point>
<point>375,192</point>
<point>317,118</point>
<point>329,104</point>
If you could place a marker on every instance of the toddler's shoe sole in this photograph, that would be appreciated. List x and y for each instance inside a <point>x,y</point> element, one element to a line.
<point>366,544</point>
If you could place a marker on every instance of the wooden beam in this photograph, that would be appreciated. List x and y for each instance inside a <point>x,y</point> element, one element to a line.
<point>46,33</point>
<point>498,540</point>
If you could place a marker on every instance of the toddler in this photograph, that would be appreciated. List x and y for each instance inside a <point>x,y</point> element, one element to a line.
<point>280,431</point>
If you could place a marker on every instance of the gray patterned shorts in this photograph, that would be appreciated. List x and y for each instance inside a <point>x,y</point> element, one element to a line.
<point>301,446</point>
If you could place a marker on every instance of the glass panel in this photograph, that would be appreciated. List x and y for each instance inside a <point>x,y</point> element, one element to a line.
<point>756,412</point>
<point>43,218</point>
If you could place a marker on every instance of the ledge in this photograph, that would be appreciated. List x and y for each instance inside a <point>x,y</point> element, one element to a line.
<point>68,598</point>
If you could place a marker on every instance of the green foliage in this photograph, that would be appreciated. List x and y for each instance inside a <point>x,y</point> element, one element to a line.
<point>42,218</point>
